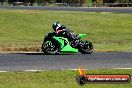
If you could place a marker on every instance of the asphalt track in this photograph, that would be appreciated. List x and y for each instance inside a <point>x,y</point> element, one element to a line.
<point>85,9</point>
<point>39,61</point>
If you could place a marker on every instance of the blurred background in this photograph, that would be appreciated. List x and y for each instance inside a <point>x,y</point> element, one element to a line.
<point>71,3</point>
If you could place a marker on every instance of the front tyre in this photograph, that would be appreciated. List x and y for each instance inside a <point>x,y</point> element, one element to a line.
<point>49,47</point>
<point>86,48</point>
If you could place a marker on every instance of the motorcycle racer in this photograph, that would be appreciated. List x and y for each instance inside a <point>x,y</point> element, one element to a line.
<point>63,40</point>
<point>61,30</point>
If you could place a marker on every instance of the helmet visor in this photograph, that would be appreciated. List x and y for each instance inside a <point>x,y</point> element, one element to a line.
<point>58,26</point>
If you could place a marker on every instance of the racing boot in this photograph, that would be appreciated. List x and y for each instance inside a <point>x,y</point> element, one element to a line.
<point>75,43</point>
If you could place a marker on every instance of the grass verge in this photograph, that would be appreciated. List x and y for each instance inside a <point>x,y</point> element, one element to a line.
<point>23,30</point>
<point>55,79</point>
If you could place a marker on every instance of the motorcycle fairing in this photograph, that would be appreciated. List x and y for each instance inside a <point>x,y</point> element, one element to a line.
<point>65,46</point>
<point>82,35</point>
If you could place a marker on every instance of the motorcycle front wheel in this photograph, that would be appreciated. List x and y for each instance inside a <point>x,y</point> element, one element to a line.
<point>86,47</point>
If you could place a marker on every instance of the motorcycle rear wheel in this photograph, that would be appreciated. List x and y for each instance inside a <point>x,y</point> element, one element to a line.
<point>49,47</point>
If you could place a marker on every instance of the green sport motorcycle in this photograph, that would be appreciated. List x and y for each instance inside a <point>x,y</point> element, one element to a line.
<point>54,44</point>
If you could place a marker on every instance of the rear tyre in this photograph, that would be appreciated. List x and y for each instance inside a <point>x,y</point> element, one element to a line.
<point>49,47</point>
<point>86,48</point>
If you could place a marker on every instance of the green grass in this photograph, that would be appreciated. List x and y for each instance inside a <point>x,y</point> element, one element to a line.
<point>55,79</point>
<point>26,28</point>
